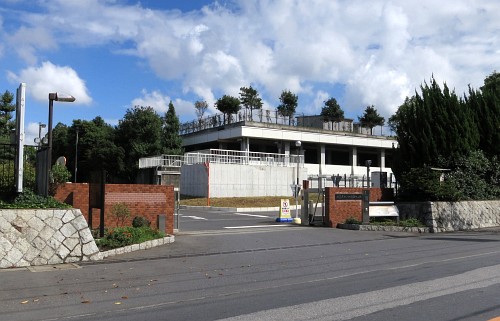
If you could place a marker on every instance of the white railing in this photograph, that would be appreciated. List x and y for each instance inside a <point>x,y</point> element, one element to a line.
<point>222,156</point>
<point>162,160</point>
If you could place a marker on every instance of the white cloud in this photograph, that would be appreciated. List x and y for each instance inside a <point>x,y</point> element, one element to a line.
<point>160,102</point>
<point>26,42</point>
<point>380,50</point>
<point>49,78</point>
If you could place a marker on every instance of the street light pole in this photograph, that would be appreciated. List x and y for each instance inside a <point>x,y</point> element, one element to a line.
<point>297,220</point>
<point>76,154</point>
<point>52,97</point>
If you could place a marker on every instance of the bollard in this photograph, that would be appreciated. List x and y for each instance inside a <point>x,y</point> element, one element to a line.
<point>161,222</point>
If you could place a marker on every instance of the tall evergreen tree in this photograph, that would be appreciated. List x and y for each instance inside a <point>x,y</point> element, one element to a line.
<point>433,128</point>
<point>171,139</point>
<point>485,105</point>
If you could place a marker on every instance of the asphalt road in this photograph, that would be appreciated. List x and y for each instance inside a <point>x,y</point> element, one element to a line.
<point>232,266</point>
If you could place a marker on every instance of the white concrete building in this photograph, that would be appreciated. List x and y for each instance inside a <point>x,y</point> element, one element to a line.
<point>257,156</point>
<point>326,149</point>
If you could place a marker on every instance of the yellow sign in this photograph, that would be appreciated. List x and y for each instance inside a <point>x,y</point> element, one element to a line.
<point>284,211</point>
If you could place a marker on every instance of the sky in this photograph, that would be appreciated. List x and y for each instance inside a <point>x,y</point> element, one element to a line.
<point>112,55</point>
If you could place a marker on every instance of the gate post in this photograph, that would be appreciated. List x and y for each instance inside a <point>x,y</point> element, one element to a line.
<point>365,205</point>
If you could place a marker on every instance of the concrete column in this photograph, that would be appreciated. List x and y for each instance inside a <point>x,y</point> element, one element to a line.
<point>287,148</point>
<point>322,168</point>
<point>354,158</point>
<point>382,160</point>
<point>245,144</point>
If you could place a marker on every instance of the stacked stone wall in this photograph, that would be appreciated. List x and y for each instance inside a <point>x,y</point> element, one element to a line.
<point>48,236</point>
<point>453,216</point>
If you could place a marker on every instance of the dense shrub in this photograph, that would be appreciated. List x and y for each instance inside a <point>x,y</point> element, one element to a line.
<point>352,220</point>
<point>140,221</point>
<point>123,236</point>
<point>29,199</point>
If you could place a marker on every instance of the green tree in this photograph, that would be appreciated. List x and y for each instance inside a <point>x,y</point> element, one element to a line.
<point>371,118</point>
<point>433,126</point>
<point>249,98</point>
<point>172,141</point>
<point>331,111</point>
<point>288,104</point>
<point>228,105</point>
<point>485,105</point>
<point>139,133</point>
<point>60,142</point>
<point>201,107</point>
<point>7,107</point>
<point>96,148</point>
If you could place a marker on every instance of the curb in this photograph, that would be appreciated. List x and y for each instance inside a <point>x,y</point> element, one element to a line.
<point>383,228</point>
<point>137,247</point>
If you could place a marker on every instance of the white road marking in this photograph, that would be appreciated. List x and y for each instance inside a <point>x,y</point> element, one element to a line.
<point>253,215</point>
<point>194,217</point>
<point>256,226</point>
<point>357,305</point>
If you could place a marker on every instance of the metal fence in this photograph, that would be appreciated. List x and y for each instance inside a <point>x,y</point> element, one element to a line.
<point>274,117</point>
<point>7,167</point>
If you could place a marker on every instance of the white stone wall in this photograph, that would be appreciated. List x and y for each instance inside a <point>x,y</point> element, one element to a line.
<point>453,216</point>
<point>45,236</point>
<point>234,180</point>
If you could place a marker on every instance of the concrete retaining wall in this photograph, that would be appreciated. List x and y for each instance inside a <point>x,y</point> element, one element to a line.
<point>453,216</point>
<point>234,180</point>
<point>45,236</point>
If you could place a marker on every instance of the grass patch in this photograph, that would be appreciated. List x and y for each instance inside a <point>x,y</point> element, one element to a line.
<point>265,201</point>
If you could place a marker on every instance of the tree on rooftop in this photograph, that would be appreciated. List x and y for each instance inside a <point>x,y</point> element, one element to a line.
<point>371,118</point>
<point>228,105</point>
<point>288,104</point>
<point>331,111</point>
<point>201,107</point>
<point>249,98</point>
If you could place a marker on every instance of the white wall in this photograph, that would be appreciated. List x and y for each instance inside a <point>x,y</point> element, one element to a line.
<point>231,180</point>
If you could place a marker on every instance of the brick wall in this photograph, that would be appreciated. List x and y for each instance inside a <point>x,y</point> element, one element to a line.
<point>338,211</point>
<point>142,200</point>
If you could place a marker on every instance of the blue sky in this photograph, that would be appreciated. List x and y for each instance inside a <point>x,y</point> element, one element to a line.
<point>114,54</point>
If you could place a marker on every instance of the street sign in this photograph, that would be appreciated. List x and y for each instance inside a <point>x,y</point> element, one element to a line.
<point>284,215</point>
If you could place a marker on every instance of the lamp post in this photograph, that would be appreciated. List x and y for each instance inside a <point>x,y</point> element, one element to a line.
<point>53,97</point>
<point>38,140</point>
<point>368,163</point>
<point>297,220</point>
<point>76,153</point>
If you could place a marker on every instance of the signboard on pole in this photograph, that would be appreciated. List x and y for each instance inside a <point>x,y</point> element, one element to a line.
<point>284,215</point>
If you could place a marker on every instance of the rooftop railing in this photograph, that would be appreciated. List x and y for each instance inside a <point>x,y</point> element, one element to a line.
<point>274,117</point>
